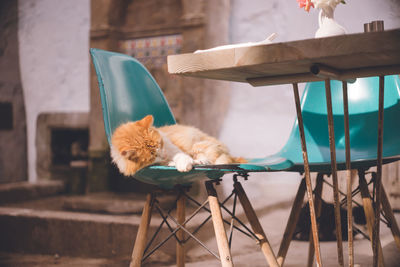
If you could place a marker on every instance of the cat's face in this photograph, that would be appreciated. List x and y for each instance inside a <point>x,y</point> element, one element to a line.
<point>138,142</point>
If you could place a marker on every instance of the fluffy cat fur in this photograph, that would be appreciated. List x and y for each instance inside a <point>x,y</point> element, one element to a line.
<point>136,145</point>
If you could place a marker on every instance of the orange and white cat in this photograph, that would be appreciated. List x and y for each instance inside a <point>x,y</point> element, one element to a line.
<point>138,144</point>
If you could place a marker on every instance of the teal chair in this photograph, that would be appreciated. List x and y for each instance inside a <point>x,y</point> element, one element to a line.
<point>128,93</point>
<point>363,121</point>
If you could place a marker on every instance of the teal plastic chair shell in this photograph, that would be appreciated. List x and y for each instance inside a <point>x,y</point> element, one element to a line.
<point>363,124</point>
<point>128,93</point>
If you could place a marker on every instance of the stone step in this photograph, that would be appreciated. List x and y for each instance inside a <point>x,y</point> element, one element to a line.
<point>34,260</point>
<point>72,234</point>
<point>23,191</point>
<point>66,233</point>
<point>100,226</point>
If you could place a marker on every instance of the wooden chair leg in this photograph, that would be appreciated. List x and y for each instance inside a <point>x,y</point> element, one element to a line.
<point>387,209</point>
<point>220,234</point>
<point>369,213</point>
<point>292,222</point>
<point>318,205</point>
<point>141,237</point>
<point>349,199</point>
<point>180,247</point>
<point>255,225</point>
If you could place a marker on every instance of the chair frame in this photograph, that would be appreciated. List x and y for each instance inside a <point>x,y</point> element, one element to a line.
<point>140,251</point>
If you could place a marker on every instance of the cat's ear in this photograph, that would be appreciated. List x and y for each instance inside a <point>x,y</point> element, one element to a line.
<point>146,121</point>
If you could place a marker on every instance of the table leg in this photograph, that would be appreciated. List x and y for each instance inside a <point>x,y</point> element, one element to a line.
<point>307,176</point>
<point>348,174</point>
<point>378,182</point>
<point>334,172</point>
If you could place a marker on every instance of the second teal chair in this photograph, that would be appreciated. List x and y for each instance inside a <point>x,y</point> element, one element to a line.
<point>363,121</point>
<point>363,98</point>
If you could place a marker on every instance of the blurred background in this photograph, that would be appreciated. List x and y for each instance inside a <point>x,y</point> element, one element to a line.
<point>51,126</point>
<point>49,94</point>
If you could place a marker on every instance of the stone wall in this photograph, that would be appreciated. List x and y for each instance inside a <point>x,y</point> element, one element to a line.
<point>13,159</point>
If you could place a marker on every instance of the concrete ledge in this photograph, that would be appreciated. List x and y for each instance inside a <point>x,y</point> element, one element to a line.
<point>69,233</point>
<point>33,260</point>
<point>22,191</point>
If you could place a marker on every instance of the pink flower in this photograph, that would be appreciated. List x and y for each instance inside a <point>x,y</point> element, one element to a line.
<point>307,4</point>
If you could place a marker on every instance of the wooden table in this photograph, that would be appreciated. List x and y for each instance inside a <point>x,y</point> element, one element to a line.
<point>344,57</point>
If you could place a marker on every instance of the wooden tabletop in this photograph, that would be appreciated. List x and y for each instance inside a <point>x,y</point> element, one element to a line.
<point>342,57</point>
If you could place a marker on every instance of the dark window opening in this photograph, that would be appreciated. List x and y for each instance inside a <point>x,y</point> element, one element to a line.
<point>68,145</point>
<point>6,116</point>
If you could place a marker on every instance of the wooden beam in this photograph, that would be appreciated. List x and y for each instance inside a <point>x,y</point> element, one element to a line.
<point>256,226</point>
<point>141,237</point>
<point>292,221</point>
<point>180,246</point>
<point>220,234</point>
<point>318,206</point>
<point>387,209</point>
<point>343,75</point>
<point>369,214</point>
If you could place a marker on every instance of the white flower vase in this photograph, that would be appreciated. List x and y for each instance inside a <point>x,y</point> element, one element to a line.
<point>327,25</point>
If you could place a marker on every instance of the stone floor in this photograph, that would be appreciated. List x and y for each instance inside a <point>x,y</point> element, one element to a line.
<point>272,207</point>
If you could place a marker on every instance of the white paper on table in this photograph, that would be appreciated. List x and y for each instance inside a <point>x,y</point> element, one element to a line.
<point>266,41</point>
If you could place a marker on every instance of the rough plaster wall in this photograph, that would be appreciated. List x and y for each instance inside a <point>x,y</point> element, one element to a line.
<point>13,166</point>
<point>260,119</point>
<point>54,59</point>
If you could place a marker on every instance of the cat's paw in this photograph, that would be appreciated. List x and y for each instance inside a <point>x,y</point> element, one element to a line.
<point>201,160</point>
<point>182,162</point>
<point>171,163</point>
